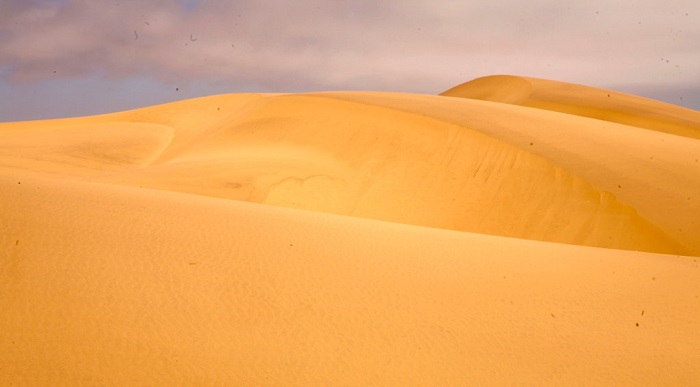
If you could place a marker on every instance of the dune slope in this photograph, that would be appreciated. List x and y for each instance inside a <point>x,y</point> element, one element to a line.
<point>374,155</point>
<point>652,171</point>
<point>123,286</point>
<point>582,100</point>
<point>357,238</point>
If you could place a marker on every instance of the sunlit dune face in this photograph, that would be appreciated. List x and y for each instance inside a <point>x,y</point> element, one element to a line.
<point>440,162</point>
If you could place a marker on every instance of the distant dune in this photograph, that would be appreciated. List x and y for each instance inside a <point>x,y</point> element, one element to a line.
<point>582,101</point>
<point>509,230</point>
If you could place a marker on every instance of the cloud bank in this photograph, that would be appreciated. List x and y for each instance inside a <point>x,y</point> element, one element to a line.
<point>411,45</point>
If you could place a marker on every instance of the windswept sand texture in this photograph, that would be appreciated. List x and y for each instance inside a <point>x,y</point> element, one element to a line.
<point>527,231</point>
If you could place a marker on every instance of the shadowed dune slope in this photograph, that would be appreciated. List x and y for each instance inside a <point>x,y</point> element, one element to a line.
<point>651,171</point>
<point>583,101</point>
<point>413,159</point>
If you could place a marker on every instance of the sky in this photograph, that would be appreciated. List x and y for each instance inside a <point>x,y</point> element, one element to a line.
<point>63,58</point>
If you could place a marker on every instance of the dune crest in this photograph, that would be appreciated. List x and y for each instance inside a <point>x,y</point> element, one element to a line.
<point>582,100</point>
<point>357,155</point>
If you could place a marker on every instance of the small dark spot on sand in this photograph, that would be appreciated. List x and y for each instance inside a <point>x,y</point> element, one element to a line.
<point>291,245</point>
<point>19,182</point>
<point>532,143</point>
<point>192,263</point>
<point>619,186</point>
<point>642,312</point>
<point>17,242</point>
<point>637,324</point>
<point>553,316</point>
<point>177,89</point>
<point>653,278</point>
<point>608,95</point>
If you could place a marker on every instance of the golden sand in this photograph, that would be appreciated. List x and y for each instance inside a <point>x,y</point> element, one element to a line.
<point>511,230</point>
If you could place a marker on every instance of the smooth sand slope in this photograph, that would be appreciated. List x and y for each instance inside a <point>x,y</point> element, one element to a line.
<point>583,101</point>
<point>427,240</point>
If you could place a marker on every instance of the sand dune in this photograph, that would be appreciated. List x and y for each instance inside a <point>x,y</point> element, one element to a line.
<point>584,101</point>
<point>355,238</point>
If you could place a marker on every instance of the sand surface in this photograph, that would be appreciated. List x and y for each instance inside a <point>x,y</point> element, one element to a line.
<point>511,230</point>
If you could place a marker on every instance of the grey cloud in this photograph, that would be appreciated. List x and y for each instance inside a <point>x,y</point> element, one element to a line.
<point>414,45</point>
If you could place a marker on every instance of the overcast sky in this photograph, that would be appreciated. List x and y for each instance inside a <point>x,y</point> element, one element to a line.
<point>63,58</point>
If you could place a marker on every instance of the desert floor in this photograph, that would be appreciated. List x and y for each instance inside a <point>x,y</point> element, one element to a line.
<point>511,230</point>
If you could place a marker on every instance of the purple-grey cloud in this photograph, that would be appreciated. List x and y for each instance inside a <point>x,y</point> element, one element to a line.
<point>412,45</point>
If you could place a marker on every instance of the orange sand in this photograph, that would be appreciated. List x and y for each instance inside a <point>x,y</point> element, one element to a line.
<point>528,231</point>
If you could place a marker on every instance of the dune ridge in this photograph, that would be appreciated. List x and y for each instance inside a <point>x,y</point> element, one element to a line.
<point>373,155</point>
<point>648,169</point>
<point>583,101</point>
<point>358,238</point>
